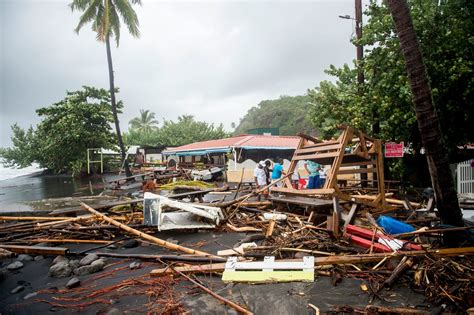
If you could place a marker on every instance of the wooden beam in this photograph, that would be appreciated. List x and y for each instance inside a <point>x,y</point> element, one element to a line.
<point>357,170</point>
<point>351,214</point>
<point>330,147</point>
<point>315,156</point>
<point>35,250</point>
<point>304,191</point>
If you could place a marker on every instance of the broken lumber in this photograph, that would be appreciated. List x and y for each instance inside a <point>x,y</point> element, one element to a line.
<point>35,250</point>
<point>333,260</point>
<point>145,236</point>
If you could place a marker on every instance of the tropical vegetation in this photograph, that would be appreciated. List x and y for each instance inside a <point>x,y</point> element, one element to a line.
<point>174,133</point>
<point>67,129</point>
<point>106,17</point>
<point>288,113</point>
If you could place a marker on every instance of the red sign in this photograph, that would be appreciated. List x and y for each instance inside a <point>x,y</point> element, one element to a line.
<point>393,149</point>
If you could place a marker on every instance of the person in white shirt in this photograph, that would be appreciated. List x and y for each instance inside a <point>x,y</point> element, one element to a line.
<point>260,176</point>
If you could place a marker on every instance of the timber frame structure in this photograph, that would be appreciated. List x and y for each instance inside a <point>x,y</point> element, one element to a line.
<point>352,153</point>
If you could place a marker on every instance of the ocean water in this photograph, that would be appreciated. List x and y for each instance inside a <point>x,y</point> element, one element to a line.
<point>7,173</point>
<point>18,187</point>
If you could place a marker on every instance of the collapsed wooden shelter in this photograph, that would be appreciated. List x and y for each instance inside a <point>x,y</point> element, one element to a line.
<point>353,152</point>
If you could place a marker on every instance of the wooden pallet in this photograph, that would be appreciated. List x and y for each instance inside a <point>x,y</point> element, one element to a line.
<point>352,153</point>
<point>269,270</point>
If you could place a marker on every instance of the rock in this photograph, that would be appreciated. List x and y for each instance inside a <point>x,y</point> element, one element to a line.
<point>39,257</point>
<point>23,257</point>
<point>88,259</point>
<point>17,289</point>
<point>114,311</point>
<point>130,243</point>
<point>60,270</point>
<point>74,263</point>
<point>73,283</point>
<point>135,265</point>
<point>30,295</point>
<point>58,259</point>
<point>97,265</point>
<point>15,265</point>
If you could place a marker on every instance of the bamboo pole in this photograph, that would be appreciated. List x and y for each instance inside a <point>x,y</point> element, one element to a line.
<point>147,237</point>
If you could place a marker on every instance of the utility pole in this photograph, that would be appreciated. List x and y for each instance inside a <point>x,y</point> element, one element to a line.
<point>359,47</point>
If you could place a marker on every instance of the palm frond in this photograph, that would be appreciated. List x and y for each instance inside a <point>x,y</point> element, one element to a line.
<point>115,23</point>
<point>79,5</point>
<point>89,14</point>
<point>129,16</point>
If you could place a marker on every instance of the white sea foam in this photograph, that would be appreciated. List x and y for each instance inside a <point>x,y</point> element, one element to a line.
<point>7,173</point>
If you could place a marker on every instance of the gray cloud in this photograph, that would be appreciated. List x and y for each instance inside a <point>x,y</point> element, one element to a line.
<point>213,60</point>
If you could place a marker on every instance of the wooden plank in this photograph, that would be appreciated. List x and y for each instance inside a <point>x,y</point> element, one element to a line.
<point>331,180</point>
<point>315,156</point>
<point>319,149</point>
<point>336,216</point>
<point>316,145</point>
<point>304,191</point>
<point>280,265</point>
<point>344,164</point>
<point>267,276</point>
<point>351,214</point>
<point>310,138</point>
<point>35,250</point>
<point>357,171</point>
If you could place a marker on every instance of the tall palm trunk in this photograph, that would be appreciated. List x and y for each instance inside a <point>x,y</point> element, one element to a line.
<point>428,123</point>
<point>114,109</point>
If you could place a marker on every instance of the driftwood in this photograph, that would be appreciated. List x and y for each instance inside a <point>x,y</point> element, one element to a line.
<point>161,257</point>
<point>145,236</point>
<point>35,250</point>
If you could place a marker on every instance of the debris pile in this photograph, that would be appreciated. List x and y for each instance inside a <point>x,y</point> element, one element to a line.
<point>382,241</point>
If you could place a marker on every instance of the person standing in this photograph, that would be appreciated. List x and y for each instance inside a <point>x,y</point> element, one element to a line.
<point>260,176</point>
<point>313,170</point>
<point>277,171</point>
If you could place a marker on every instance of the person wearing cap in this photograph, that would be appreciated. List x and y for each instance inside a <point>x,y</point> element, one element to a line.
<point>260,176</point>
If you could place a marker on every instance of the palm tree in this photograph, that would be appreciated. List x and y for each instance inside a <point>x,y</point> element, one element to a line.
<point>428,123</point>
<point>105,16</point>
<point>146,122</point>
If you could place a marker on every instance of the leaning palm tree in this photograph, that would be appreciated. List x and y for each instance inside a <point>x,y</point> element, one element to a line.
<point>105,16</point>
<point>146,122</point>
<point>428,123</point>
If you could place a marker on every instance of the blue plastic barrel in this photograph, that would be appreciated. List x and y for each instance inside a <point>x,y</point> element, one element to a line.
<point>393,226</point>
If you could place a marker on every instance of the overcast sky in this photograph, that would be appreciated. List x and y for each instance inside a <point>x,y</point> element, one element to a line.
<point>213,59</point>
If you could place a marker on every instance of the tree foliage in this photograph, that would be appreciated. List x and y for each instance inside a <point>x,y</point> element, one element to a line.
<point>446,33</point>
<point>80,121</point>
<point>176,133</point>
<point>105,17</point>
<point>288,113</point>
<point>146,122</point>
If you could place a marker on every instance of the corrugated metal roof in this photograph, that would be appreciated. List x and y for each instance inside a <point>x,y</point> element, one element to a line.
<point>241,141</point>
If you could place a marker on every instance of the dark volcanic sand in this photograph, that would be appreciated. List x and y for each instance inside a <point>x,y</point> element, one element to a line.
<point>278,298</point>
